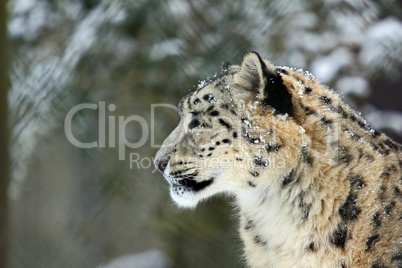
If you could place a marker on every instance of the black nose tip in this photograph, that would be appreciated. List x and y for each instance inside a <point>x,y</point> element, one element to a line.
<point>161,164</point>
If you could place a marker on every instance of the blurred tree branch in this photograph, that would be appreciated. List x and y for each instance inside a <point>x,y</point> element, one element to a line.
<point>4,135</point>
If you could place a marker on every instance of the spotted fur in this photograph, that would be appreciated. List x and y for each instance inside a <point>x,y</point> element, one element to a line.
<point>314,184</point>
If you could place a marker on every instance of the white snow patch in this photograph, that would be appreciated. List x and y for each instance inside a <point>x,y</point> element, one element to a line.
<point>350,29</point>
<point>211,99</point>
<point>303,131</point>
<point>386,120</point>
<point>255,105</point>
<point>179,7</point>
<point>387,28</point>
<point>383,44</point>
<point>167,48</point>
<point>247,122</point>
<point>353,85</point>
<point>299,89</point>
<point>202,83</point>
<point>326,68</point>
<point>29,18</point>
<point>300,70</point>
<point>282,117</point>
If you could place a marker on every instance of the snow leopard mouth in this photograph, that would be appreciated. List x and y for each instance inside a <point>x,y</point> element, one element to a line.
<point>188,183</point>
<point>192,185</point>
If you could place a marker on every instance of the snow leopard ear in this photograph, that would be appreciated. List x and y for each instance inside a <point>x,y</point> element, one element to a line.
<point>251,74</point>
<point>261,78</point>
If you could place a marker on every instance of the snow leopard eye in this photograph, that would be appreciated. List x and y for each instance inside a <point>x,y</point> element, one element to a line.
<point>194,123</point>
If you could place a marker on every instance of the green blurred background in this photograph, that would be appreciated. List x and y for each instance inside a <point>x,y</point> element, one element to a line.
<point>75,207</point>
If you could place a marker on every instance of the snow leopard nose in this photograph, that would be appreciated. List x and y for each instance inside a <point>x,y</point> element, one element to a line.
<point>161,164</point>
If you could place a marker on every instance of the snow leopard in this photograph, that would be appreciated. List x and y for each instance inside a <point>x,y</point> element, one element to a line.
<point>314,185</point>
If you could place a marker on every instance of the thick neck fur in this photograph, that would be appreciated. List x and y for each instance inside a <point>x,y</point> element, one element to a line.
<point>276,221</point>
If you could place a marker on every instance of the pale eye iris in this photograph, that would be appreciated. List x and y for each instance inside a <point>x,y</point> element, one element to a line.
<point>194,123</point>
